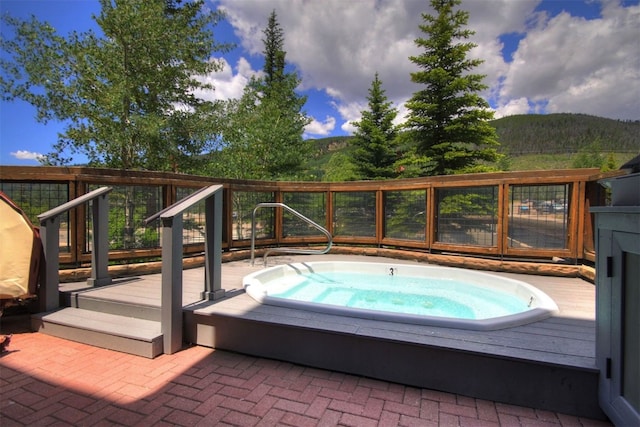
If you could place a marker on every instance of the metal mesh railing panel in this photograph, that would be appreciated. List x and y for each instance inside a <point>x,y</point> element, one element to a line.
<point>538,216</point>
<point>405,214</point>
<point>354,213</point>
<point>193,219</point>
<point>129,206</point>
<point>244,202</point>
<point>467,216</point>
<point>311,205</point>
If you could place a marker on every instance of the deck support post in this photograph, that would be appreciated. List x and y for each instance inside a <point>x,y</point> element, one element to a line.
<point>100,242</point>
<point>171,299</point>
<point>213,248</point>
<point>49,275</point>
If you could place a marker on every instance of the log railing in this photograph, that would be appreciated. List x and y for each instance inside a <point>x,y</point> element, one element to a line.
<point>530,215</point>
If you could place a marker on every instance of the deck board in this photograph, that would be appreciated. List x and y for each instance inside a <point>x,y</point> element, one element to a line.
<point>567,338</point>
<point>518,342</point>
<point>96,321</point>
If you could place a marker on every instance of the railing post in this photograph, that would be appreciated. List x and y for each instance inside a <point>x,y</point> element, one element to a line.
<point>100,242</point>
<point>50,278</point>
<point>171,299</point>
<point>172,240</point>
<point>50,235</point>
<point>213,248</point>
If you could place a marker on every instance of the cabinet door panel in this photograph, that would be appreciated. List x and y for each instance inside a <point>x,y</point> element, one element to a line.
<point>625,328</point>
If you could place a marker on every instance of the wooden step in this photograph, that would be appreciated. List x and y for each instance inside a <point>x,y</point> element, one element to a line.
<point>86,301</point>
<point>120,333</point>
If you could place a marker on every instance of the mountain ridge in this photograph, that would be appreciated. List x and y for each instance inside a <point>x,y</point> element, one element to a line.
<point>562,136</point>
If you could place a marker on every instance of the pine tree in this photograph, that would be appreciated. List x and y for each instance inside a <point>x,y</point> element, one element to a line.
<point>280,109</point>
<point>274,55</point>
<point>375,136</point>
<point>447,119</point>
<point>265,127</point>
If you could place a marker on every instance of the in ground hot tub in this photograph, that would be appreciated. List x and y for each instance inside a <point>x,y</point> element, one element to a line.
<point>417,294</point>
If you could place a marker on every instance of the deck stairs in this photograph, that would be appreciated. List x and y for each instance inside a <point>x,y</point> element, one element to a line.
<point>135,325</point>
<point>125,327</point>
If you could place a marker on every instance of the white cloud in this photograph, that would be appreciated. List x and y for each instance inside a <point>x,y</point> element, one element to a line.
<point>27,155</point>
<point>350,112</point>
<point>512,108</point>
<point>317,127</point>
<point>336,44</point>
<point>581,66</point>
<point>227,85</point>
<point>562,64</point>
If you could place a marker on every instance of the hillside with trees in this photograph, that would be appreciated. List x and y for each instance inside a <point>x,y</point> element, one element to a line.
<point>565,133</point>
<point>553,141</point>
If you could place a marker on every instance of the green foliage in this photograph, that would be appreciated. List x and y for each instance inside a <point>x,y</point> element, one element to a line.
<point>565,133</point>
<point>448,120</point>
<point>589,157</point>
<point>405,214</point>
<point>467,204</point>
<point>504,163</point>
<point>312,205</point>
<point>609,164</point>
<point>374,139</point>
<point>321,150</point>
<point>243,205</point>
<point>263,131</point>
<point>354,213</point>
<point>340,168</point>
<point>274,56</point>
<point>593,156</point>
<point>127,97</point>
<point>129,206</point>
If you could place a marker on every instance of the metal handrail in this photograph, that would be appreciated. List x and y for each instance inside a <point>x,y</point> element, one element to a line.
<point>285,249</point>
<point>184,204</point>
<point>50,235</point>
<point>63,208</point>
<point>172,247</point>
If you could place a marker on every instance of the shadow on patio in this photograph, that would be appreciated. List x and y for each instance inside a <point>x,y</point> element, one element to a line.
<point>49,380</point>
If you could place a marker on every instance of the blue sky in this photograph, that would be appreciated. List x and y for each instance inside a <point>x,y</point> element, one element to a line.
<point>577,56</point>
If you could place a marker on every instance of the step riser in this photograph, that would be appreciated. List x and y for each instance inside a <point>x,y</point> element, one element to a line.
<point>114,307</point>
<point>120,333</point>
<point>99,339</point>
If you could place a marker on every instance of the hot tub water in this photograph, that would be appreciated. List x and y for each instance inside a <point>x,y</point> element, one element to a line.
<point>419,294</point>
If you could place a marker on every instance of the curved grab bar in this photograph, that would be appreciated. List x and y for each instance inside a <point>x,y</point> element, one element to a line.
<point>287,250</point>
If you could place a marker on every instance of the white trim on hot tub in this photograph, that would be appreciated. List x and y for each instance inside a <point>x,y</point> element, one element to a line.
<point>542,305</point>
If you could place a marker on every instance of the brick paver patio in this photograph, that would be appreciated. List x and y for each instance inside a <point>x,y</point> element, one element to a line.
<point>50,381</point>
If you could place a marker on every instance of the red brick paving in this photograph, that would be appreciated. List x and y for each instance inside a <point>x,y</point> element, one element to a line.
<point>50,381</point>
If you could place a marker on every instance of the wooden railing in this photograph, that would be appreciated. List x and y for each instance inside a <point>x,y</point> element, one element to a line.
<point>508,215</point>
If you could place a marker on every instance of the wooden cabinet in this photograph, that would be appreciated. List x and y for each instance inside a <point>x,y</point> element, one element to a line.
<point>618,311</point>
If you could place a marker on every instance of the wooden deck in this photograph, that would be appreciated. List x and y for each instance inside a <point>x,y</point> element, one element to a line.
<point>549,364</point>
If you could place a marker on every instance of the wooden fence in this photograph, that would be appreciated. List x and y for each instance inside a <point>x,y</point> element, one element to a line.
<point>531,215</point>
